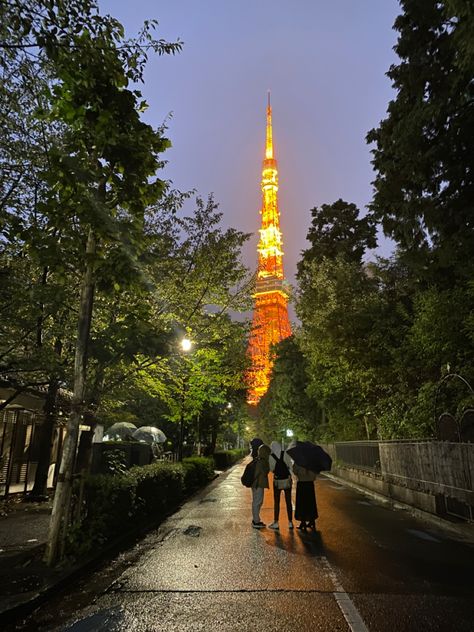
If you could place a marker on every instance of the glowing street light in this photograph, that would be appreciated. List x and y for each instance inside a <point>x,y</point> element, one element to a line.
<point>286,433</point>
<point>186,345</point>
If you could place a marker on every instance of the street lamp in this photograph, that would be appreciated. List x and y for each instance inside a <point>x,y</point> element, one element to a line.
<point>186,345</point>
<point>288,433</point>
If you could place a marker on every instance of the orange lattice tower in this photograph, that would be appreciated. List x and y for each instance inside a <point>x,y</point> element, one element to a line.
<point>270,322</point>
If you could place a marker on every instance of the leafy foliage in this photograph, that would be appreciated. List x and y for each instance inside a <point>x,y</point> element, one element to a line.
<point>117,505</point>
<point>423,155</point>
<point>337,229</point>
<point>378,338</point>
<point>77,160</point>
<point>287,405</point>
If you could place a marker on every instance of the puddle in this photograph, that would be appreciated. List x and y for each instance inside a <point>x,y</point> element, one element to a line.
<point>193,531</point>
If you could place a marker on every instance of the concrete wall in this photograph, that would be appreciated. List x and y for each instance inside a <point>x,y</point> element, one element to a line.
<point>435,467</point>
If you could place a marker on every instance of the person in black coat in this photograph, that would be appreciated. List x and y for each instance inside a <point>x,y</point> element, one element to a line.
<point>306,509</point>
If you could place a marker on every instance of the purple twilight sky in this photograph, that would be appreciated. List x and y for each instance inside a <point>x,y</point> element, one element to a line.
<point>324,62</point>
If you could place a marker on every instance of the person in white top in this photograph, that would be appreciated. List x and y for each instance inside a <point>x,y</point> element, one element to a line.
<point>280,465</point>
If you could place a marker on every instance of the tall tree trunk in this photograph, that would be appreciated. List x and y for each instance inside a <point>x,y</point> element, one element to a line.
<point>40,486</point>
<point>213,439</point>
<point>93,405</point>
<point>62,497</point>
<point>39,490</point>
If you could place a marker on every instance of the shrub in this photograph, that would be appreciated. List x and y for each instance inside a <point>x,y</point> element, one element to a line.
<point>116,504</point>
<point>225,458</point>
<point>159,486</point>
<point>198,471</point>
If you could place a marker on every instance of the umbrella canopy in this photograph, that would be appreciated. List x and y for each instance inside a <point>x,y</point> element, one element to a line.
<point>119,431</point>
<point>311,456</point>
<point>149,434</point>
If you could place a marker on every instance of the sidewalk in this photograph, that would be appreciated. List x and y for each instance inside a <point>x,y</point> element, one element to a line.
<point>25,579</point>
<point>23,534</point>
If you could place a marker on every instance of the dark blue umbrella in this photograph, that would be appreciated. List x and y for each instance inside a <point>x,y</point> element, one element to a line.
<point>311,456</point>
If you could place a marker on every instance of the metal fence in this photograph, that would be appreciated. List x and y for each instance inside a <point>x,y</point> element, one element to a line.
<point>19,450</point>
<point>362,454</point>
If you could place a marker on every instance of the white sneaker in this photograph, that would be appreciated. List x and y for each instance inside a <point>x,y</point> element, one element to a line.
<point>274,525</point>
<point>290,525</point>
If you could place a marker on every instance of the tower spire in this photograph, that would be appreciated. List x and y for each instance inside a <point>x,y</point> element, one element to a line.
<point>269,141</point>
<point>270,322</point>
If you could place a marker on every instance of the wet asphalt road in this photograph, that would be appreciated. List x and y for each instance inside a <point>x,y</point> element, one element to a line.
<point>368,568</point>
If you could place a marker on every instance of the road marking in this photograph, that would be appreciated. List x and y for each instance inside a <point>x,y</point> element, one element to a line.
<point>345,603</point>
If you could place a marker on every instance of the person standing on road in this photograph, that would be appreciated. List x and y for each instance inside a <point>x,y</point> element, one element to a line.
<point>280,465</point>
<point>305,510</point>
<point>254,446</point>
<point>260,484</point>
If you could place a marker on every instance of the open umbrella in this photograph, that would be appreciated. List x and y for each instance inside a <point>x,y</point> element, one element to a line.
<point>311,456</point>
<point>149,434</point>
<point>120,431</point>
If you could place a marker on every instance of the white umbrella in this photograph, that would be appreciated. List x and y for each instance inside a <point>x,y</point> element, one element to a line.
<point>149,434</point>
<point>119,431</point>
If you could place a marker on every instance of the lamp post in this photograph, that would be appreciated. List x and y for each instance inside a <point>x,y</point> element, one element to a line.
<point>288,434</point>
<point>186,345</point>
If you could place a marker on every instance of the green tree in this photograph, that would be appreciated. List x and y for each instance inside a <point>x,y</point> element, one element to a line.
<point>334,302</point>
<point>423,151</point>
<point>286,404</point>
<point>100,175</point>
<point>193,278</point>
<point>338,230</point>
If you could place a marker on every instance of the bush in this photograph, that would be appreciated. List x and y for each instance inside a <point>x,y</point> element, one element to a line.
<point>225,458</point>
<point>159,486</point>
<point>109,508</point>
<point>115,505</point>
<point>198,471</point>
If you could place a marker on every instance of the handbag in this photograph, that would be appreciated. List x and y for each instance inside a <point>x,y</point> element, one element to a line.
<point>280,483</point>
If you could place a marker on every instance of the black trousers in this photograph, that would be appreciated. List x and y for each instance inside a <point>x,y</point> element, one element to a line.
<point>276,503</point>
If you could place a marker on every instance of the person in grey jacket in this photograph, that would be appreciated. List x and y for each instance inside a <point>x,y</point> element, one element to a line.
<point>260,484</point>
<point>280,482</point>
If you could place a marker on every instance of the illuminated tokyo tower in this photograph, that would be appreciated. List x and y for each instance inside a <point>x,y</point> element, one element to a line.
<point>270,322</point>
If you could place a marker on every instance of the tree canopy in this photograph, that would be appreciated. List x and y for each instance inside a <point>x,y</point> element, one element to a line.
<point>423,152</point>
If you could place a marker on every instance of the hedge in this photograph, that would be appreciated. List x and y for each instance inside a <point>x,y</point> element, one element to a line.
<point>225,458</point>
<point>115,505</point>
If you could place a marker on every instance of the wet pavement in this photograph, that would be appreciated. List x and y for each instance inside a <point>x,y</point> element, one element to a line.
<point>368,567</point>
<point>23,526</point>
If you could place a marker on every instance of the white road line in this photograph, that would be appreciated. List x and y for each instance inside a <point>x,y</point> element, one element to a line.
<point>345,603</point>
